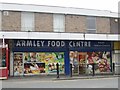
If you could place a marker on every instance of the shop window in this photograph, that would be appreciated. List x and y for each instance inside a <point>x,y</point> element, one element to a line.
<point>18,64</point>
<point>58,23</point>
<point>83,62</point>
<point>27,21</point>
<point>32,63</point>
<point>91,25</point>
<point>0,20</point>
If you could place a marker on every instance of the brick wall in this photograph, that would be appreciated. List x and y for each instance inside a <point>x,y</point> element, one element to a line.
<point>114,26</point>
<point>75,23</point>
<point>11,21</point>
<point>43,22</point>
<point>103,25</point>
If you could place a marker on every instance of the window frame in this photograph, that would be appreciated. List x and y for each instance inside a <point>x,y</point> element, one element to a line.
<point>32,28</point>
<point>63,23</point>
<point>89,30</point>
<point>0,20</point>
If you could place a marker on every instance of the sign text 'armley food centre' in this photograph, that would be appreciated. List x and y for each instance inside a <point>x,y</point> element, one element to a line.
<point>60,43</point>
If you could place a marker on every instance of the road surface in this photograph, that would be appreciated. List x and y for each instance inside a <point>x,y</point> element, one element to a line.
<point>76,83</point>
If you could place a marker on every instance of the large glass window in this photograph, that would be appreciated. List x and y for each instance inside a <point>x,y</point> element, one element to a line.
<point>58,23</point>
<point>82,62</point>
<point>91,25</point>
<point>0,20</point>
<point>27,21</point>
<point>35,63</point>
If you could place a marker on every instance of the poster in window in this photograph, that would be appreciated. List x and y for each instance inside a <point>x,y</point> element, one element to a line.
<point>74,61</point>
<point>29,57</point>
<point>101,61</point>
<point>18,64</point>
<point>82,62</point>
<point>51,59</point>
<point>26,57</point>
<point>56,58</point>
<point>74,58</point>
<point>34,68</point>
<point>32,63</point>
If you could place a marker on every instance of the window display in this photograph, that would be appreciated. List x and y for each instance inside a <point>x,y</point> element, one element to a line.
<point>33,63</point>
<point>34,68</point>
<point>30,57</point>
<point>74,61</point>
<point>50,60</point>
<point>18,64</point>
<point>101,60</point>
<point>85,59</point>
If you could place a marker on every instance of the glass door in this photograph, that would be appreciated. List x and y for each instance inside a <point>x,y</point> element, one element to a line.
<point>82,62</point>
<point>74,60</point>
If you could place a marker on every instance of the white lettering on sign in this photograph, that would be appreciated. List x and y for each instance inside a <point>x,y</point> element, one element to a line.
<point>82,43</point>
<point>48,43</point>
<point>34,44</point>
<point>62,43</point>
<point>38,43</point>
<point>89,44</point>
<point>53,44</point>
<point>29,43</point>
<point>79,44</point>
<point>18,44</point>
<point>70,43</point>
<point>56,43</point>
<point>42,43</point>
<point>23,43</point>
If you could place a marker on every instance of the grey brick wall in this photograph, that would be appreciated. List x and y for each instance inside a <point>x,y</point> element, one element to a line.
<point>43,22</point>
<point>11,21</point>
<point>103,25</point>
<point>75,23</point>
<point>114,26</point>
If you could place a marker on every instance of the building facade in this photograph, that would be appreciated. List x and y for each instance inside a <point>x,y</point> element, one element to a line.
<point>41,36</point>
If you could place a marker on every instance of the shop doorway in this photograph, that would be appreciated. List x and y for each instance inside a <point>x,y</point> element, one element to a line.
<point>78,61</point>
<point>82,62</point>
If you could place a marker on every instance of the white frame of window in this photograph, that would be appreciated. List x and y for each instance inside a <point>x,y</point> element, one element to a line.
<point>91,30</point>
<point>31,24</point>
<point>58,23</point>
<point>0,20</point>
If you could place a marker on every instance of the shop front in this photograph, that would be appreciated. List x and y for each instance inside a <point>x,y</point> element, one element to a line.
<point>85,54</point>
<point>116,56</point>
<point>36,57</point>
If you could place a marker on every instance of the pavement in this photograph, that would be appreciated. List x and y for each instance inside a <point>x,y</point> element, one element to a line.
<point>61,77</point>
